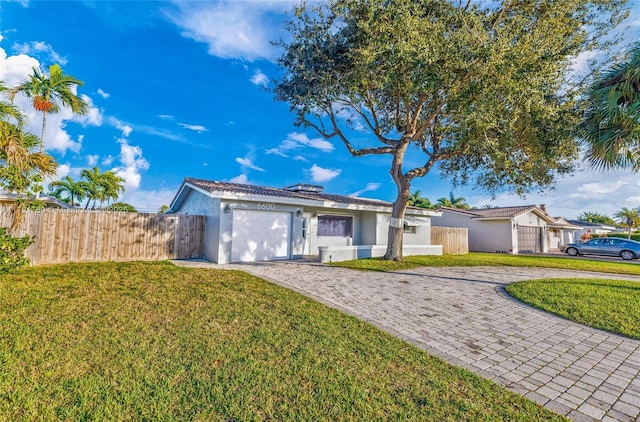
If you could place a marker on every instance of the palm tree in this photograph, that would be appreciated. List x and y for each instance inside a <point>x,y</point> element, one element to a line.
<point>8,110</point>
<point>629,218</point>
<point>19,163</point>
<point>75,191</point>
<point>453,202</point>
<point>101,186</point>
<point>611,126</point>
<point>418,201</point>
<point>45,92</point>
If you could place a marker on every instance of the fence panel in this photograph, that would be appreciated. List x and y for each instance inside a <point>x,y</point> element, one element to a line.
<point>454,240</point>
<point>79,235</point>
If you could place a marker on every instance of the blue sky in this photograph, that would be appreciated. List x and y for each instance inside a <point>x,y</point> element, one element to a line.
<point>177,89</point>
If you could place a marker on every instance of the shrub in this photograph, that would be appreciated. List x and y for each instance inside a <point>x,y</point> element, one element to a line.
<point>634,236</point>
<point>12,251</point>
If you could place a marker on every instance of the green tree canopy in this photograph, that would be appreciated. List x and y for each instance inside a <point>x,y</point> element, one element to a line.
<point>68,190</point>
<point>628,217</point>
<point>101,186</point>
<point>611,127</point>
<point>46,91</point>
<point>416,200</point>
<point>478,90</point>
<point>595,217</point>
<point>453,202</point>
<point>121,207</point>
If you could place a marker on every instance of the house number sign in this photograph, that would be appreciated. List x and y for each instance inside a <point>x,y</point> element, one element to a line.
<point>266,206</point>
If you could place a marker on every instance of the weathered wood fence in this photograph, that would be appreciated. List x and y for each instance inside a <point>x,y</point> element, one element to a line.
<point>79,235</point>
<point>454,240</point>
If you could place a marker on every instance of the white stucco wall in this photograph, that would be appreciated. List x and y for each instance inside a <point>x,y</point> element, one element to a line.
<point>226,225</point>
<point>198,204</point>
<point>484,235</point>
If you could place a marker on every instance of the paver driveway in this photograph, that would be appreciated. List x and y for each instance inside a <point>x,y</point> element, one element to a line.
<point>463,316</point>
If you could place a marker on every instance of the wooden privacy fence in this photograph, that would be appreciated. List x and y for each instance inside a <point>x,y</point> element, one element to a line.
<point>78,235</point>
<point>454,240</point>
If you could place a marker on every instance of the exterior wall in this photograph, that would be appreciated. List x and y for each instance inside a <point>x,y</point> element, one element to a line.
<point>226,225</point>
<point>531,219</point>
<point>422,236</point>
<point>198,204</point>
<point>369,228</point>
<point>347,253</point>
<point>484,235</point>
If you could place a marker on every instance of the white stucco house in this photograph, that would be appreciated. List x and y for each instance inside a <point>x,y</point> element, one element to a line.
<point>592,229</point>
<point>522,229</point>
<point>256,223</point>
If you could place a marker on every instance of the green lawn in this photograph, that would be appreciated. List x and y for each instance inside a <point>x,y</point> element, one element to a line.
<point>491,259</point>
<point>152,341</point>
<point>612,305</point>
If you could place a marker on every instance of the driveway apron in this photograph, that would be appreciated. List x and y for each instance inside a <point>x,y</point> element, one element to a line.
<point>463,316</point>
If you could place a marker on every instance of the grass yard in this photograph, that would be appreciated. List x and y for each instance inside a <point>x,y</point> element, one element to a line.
<point>491,259</point>
<point>152,341</point>
<point>612,305</point>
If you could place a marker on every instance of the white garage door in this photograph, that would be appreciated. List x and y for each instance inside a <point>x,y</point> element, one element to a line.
<point>260,236</point>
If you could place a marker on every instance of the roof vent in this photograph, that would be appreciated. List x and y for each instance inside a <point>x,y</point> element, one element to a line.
<point>302,187</point>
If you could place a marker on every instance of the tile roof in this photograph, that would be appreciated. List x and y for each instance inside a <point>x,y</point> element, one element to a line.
<point>215,186</point>
<point>502,212</point>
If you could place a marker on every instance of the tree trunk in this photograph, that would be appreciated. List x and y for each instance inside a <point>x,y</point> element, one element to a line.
<point>396,226</point>
<point>44,124</point>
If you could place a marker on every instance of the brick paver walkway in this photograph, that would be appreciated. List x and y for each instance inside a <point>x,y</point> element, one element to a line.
<point>463,316</point>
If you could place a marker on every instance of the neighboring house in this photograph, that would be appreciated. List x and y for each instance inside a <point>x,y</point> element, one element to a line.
<point>254,223</point>
<point>592,229</point>
<point>49,201</point>
<point>522,229</point>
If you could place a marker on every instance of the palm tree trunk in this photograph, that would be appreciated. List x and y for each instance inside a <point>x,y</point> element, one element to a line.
<point>44,125</point>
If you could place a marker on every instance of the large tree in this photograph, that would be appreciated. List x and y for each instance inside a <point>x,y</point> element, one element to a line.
<point>628,217</point>
<point>46,91</point>
<point>453,202</point>
<point>611,126</point>
<point>74,191</point>
<point>478,90</point>
<point>21,165</point>
<point>101,186</point>
<point>596,217</point>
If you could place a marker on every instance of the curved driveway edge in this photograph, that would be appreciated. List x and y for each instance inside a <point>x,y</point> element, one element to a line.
<point>463,315</point>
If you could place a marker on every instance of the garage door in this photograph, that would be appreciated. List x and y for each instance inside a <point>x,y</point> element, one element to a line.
<point>529,239</point>
<point>260,236</point>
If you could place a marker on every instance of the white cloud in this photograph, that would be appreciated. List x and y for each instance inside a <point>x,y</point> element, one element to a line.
<point>132,163</point>
<point>148,200</point>
<point>319,174</point>
<point>586,190</point>
<point>231,29</point>
<point>108,160</point>
<point>17,68</point>
<point>247,163</point>
<point>241,178</point>
<point>297,140</point>
<point>370,187</point>
<point>93,116</point>
<point>62,171</point>
<point>195,128</point>
<point>40,48</point>
<point>103,94</point>
<point>166,116</point>
<point>300,158</point>
<point>259,79</point>
<point>92,160</point>
<point>125,128</point>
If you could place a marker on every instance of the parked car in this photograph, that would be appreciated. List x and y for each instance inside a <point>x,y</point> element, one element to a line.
<point>609,246</point>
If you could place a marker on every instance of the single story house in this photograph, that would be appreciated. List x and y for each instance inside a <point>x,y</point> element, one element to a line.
<point>249,223</point>
<point>592,229</point>
<point>522,229</point>
<point>9,199</point>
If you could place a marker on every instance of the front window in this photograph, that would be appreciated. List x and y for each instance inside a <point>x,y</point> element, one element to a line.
<point>335,225</point>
